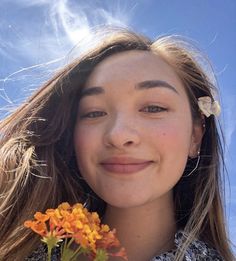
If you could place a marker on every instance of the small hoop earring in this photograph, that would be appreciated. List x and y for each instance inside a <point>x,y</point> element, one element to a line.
<point>196,166</point>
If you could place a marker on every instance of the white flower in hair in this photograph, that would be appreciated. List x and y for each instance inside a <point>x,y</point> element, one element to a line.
<point>208,107</point>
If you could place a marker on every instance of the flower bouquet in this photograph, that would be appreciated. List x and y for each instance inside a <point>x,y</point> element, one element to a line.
<point>77,232</point>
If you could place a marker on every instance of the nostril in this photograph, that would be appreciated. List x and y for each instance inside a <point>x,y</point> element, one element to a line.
<point>121,137</point>
<point>129,142</point>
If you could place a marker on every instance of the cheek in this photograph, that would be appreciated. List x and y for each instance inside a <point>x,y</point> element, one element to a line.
<point>84,142</point>
<point>172,142</point>
<point>173,133</point>
<point>175,136</point>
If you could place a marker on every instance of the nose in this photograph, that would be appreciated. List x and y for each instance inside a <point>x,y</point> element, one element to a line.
<point>121,133</point>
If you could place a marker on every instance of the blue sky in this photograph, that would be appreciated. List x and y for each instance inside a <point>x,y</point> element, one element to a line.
<point>37,36</point>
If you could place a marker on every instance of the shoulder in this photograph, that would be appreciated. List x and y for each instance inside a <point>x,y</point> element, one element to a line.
<point>197,250</point>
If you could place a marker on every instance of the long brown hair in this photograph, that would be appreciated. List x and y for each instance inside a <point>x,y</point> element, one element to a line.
<point>37,165</point>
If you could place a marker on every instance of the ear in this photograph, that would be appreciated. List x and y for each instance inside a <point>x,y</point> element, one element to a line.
<point>196,141</point>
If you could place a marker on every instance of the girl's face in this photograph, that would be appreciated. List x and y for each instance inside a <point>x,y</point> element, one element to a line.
<point>134,129</point>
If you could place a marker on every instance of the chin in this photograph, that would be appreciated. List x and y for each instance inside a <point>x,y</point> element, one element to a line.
<point>126,203</point>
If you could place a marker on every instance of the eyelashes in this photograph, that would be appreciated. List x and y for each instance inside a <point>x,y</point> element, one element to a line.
<point>150,109</point>
<point>153,109</point>
<point>94,114</point>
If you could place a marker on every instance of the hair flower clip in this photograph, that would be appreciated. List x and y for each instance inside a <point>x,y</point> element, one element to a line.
<point>208,107</point>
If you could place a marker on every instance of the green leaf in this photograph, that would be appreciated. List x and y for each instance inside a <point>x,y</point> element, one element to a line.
<point>101,255</point>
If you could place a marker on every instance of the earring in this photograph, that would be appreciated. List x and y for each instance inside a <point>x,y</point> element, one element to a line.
<point>196,166</point>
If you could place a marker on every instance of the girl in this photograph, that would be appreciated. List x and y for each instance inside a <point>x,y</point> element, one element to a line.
<point>129,130</point>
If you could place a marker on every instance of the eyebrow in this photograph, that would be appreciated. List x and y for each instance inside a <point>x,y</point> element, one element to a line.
<point>153,84</point>
<point>92,91</point>
<point>96,90</point>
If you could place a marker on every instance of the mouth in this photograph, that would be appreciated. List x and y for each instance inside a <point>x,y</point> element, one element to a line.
<point>125,165</point>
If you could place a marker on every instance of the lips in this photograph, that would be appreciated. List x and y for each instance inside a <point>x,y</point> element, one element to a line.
<point>125,165</point>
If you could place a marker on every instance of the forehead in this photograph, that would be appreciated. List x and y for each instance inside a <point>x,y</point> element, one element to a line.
<point>133,66</point>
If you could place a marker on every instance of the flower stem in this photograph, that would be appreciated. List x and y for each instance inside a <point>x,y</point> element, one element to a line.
<point>49,253</point>
<point>77,252</point>
<point>70,242</point>
<point>68,254</point>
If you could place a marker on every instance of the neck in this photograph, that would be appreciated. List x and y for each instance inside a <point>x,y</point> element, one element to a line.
<point>150,227</point>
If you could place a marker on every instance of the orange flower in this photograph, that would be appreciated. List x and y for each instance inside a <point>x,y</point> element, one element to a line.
<point>120,253</point>
<point>81,226</point>
<point>38,227</point>
<point>41,217</point>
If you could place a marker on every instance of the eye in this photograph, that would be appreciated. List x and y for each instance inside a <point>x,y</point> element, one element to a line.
<point>94,114</point>
<point>153,109</point>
